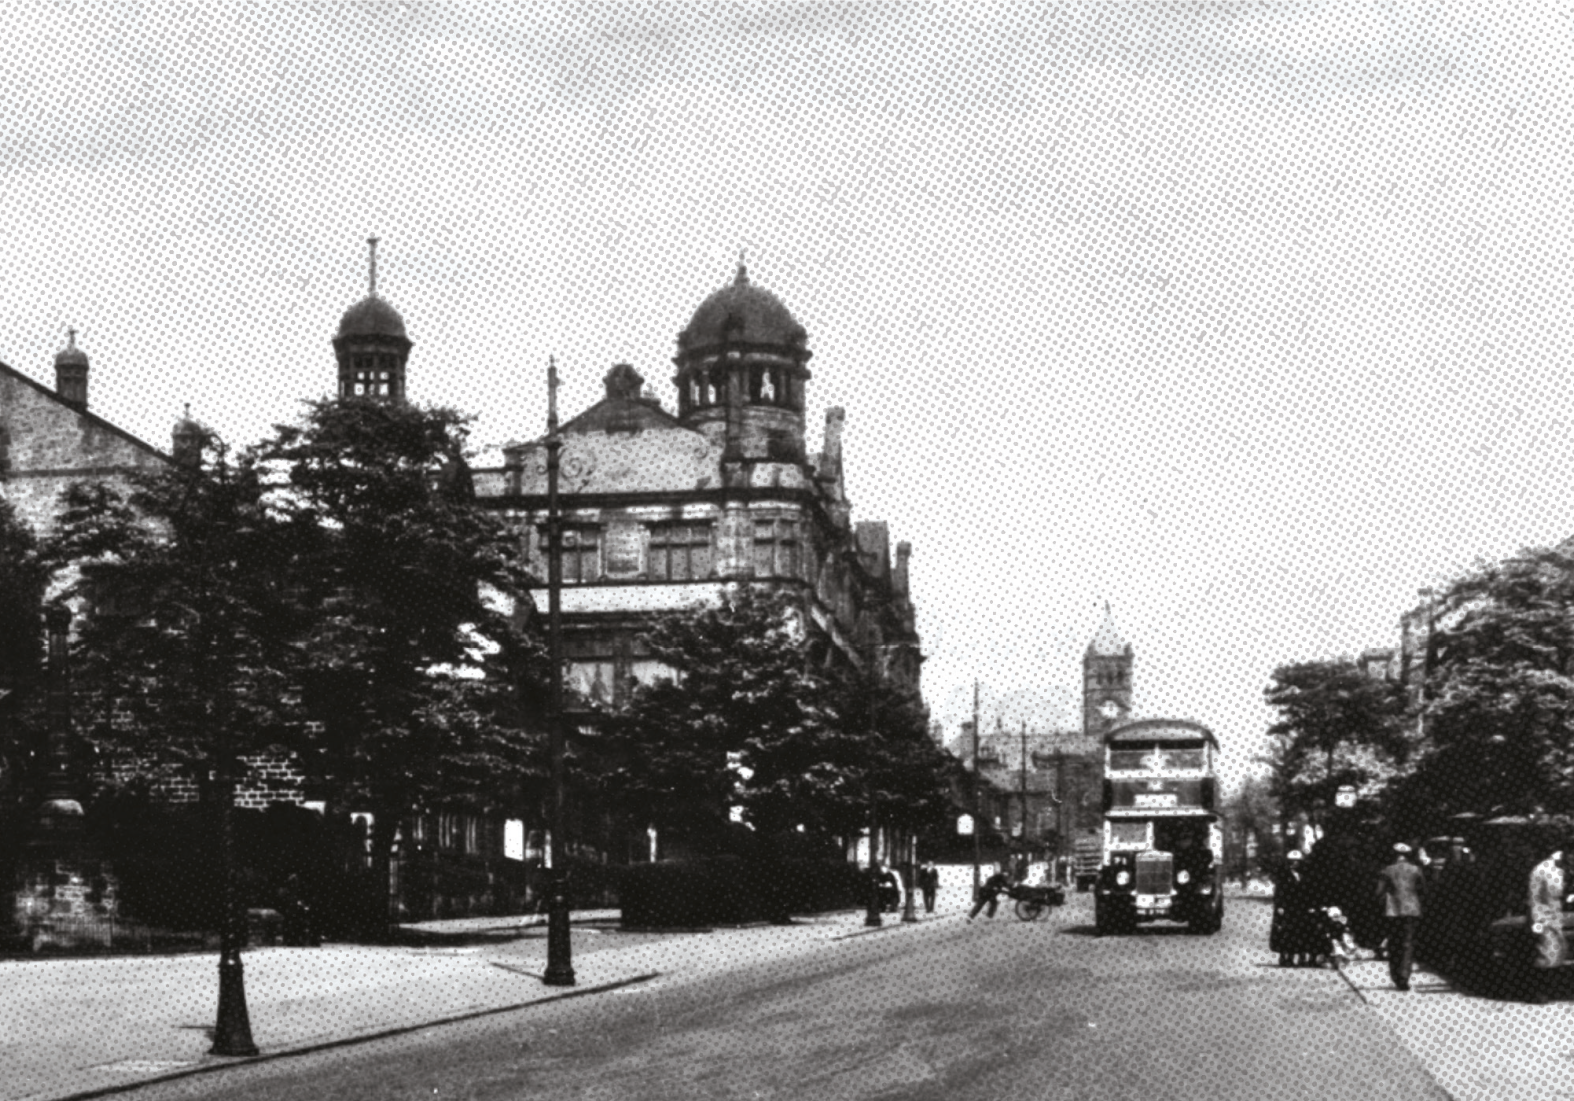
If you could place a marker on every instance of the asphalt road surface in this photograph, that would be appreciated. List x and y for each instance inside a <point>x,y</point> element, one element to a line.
<point>944,1010</point>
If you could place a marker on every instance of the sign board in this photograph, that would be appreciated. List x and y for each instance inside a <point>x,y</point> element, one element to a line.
<point>964,825</point>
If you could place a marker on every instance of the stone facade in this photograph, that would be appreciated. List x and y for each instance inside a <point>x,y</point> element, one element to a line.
<point>661,509</point>
<point>1106,680</point>
<point>48,441</point>
<point>68,901</point>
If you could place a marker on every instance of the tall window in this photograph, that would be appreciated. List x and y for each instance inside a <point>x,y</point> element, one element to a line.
<point>775,548</point>
<point>581,555</point>
<point>680,552</point>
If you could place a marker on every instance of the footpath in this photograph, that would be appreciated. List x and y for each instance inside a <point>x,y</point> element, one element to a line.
<point>84,1027</point>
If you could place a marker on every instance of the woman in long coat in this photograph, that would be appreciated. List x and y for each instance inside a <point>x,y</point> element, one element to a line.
<point>1289,935</point>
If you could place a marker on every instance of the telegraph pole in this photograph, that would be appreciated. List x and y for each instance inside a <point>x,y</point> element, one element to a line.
<point>560,965</point>
<point>1023,785</point>
<point>978,817</point>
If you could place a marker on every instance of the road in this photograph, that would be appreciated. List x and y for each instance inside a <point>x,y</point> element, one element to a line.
<point>945,1010</point>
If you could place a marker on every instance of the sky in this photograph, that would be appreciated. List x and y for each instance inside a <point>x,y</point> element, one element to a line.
<point>1247,320</point>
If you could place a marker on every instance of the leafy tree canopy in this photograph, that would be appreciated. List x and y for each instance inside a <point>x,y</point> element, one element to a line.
<point>414,666</point>
<point>1499,707</point>
<point>1336,726</point>
<point>745,721</point>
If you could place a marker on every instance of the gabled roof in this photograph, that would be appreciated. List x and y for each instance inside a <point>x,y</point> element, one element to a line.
<point>92,418</point>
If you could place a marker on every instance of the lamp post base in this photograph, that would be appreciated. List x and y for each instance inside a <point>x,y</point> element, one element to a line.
<point>232,1033</point>
<point>560,966</point>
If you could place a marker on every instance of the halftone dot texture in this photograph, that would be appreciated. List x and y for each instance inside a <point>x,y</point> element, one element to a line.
<point>1249,320</point>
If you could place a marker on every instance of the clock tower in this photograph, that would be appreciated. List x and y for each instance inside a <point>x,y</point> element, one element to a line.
<point>1106,680</point>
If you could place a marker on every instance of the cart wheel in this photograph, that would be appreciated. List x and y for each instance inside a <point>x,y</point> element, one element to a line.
<point>1029,909</point>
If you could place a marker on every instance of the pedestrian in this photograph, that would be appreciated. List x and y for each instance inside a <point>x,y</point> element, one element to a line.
<point>1400,888</point>
<point>929,883</point>
<point>1287,936</point>
<point>890,890</point>
<point>989,894</point>
<point>1547,886</point>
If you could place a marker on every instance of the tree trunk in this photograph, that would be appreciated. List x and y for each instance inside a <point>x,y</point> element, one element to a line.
<point>386,923</point>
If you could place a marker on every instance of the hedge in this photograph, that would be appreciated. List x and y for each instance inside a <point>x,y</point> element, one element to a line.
<point>731,890</point>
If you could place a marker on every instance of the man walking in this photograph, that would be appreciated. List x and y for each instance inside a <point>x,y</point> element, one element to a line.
<point>1400,887</point>
<point>1547,886</point>
<point>929,883</point>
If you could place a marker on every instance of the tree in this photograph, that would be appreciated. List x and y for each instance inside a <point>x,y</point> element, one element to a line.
<point>24,576</point>
<point>742,722</point>
<point>1251,813</point>
<point>414,662</point>
<point>1336,726</point>
<point>906,777</point>
<point>186,625</point>
<point>1499,712</point>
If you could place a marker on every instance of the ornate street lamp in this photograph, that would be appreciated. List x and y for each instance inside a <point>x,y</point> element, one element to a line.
<point>232,1030</point>
<point>560,964</point>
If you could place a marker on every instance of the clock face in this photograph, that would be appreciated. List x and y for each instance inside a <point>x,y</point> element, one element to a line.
<point>1110,710</point>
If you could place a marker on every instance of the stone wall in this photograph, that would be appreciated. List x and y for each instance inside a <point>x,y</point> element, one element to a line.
<point>46,444</point>
<point>65,902</point>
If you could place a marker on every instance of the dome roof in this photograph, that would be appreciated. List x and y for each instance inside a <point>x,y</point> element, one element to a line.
<point>71,355</point>
<point>742,313</point>
<point>372,316</point>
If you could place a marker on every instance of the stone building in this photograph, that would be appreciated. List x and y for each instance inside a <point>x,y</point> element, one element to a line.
<point>662,506</point>
<point>1053,780</point>
<point>49,439</point>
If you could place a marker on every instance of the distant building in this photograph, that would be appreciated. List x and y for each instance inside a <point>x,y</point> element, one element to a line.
<point>1061,771</point>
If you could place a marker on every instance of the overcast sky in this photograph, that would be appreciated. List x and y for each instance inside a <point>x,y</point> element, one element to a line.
<point>1248,320</point>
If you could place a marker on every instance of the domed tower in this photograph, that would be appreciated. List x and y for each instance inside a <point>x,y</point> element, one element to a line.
<point>187,439</point>
<point>371,345</point>
<point>71,372</point>
<point>741,373</point>
<point>1106,679</point>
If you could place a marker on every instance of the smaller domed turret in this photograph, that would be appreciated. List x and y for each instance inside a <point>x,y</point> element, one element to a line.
<point>187,439</point>
<point>71,372</point>
<point>371,345</point>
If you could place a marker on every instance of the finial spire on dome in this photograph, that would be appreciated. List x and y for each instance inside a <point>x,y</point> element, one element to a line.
<point>742,278</point>
<point>71,338</point>
<point>372,265</point>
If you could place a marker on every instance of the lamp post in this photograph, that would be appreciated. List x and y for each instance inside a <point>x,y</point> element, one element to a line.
<point>872,913</point>
<point>232,1030</point>
<point>560,965</point>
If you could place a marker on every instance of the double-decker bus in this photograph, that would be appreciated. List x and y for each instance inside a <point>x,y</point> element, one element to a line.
<point>1163,848</point>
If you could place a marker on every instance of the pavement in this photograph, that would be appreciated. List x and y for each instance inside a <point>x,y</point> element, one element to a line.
<point>93,1026</point>
<point>85,1027</point>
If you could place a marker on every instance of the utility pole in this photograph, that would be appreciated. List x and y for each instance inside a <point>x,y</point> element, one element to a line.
<point>978,817</point>
<point>1024,785</point>
<point>560,965</point>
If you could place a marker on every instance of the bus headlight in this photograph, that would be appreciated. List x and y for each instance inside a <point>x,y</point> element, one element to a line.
<point>1122,878</point>
<point>1183,877</point>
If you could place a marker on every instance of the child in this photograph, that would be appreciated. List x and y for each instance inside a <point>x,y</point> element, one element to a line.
<point>1336,933</point>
